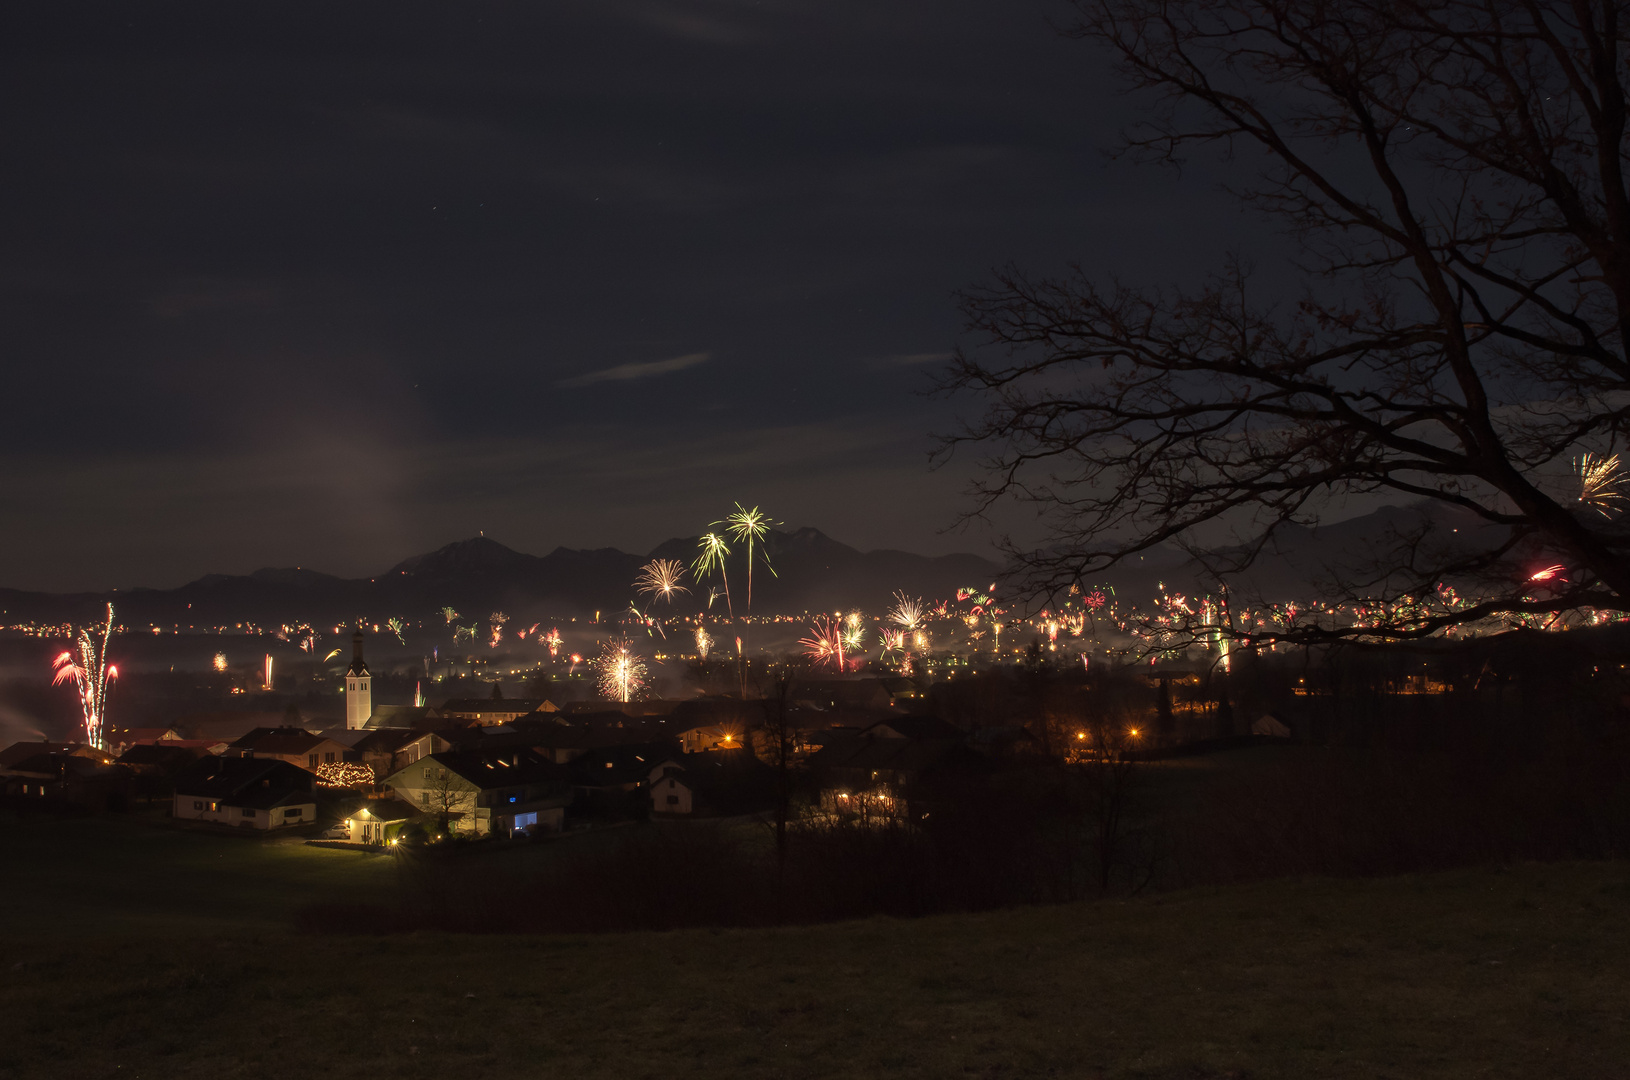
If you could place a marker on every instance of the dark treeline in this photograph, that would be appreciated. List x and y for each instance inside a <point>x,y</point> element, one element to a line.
<point>1397,760</point>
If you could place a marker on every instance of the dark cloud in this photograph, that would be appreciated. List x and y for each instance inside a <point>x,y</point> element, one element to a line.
<point>322,283</point>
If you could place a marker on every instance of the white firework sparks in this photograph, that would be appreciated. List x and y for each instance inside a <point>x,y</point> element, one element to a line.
<point>907,613</point>
<point>661,579</point>
<point>622,672</point>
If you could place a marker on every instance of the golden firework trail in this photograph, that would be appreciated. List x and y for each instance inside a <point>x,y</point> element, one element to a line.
<point>1601,483</point>
<point>91,674</point>
<point>750,525</point>
<point>704,642</point>
<point>622,672</point>
<point>714,553</point>
<point>661,578</point>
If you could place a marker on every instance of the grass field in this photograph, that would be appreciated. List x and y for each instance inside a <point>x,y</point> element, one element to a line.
<point>129,950</point>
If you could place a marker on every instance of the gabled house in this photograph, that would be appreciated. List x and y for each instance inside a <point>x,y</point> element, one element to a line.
<point>387,750</point>
<point>378,822</point>
<point>714,723</point>
<point>297,746</point>
<point>712,783</point>
<point>486,711</point>
<point>611,781</point>
<point>22,751</point>
<point>487,791</point>
<point>123,739</point>
<point>63,780</point>
<point>257,793</point>
<point>154,766</point>
<point>894,768</point>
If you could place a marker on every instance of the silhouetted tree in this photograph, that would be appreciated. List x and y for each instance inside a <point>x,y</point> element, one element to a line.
<point>1454,172</point>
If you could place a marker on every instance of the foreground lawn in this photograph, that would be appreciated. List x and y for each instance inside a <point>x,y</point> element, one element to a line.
<point>1485,973</point>
<point>136,875</point>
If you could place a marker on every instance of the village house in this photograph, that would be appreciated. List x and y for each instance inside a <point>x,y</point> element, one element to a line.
<point>21,751</point>
<point>65,780</point>
<point>386,750</point>
<point>712,783</point>
<point>895,768</point>
<point>122,739</point>
<point>297,746</point>
<point>257,793</point>
<point>487,791</point>
<point>380,821</point>
<point>714,723</point>
<point>485,711</point>
<point>611,781</point>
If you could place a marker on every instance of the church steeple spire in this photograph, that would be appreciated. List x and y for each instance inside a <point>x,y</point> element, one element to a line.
<point>359,696</point>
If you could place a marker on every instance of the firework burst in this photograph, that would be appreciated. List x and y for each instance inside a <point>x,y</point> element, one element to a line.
<point>396,626</point>
<point>825,641</point>
<point>1601,483</point>
<point>661,579</point>
<point>907,613</point>
<point>704,642</point>
<point>622,672</point>
<point>714,552</point>
<point>553,641</point>
<point>91,674</point>
<point>751,526</point>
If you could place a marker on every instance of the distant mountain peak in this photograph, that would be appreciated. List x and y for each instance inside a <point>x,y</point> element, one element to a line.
<point>477,555</point>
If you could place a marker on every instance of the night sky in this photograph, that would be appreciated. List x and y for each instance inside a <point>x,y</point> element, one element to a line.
<point>330,284</point>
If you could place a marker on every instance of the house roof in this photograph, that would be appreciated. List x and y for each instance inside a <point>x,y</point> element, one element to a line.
<point>24,750</point>
<point>624,764</point>
<point>140,734</point>
<point>386,740</point>
<point>279,740</point>
<point>716,769</point>
<point>231,779</point>
<point>399,716</point>
<point>487,769</point>
<point>508,706</point>
<point>891,754</point>
<point>158,754</point>
<point>387,810</point>
<point>914,727</point>
<point>61,764</point>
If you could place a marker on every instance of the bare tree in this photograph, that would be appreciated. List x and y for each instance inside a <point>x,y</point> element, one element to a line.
<point>1453,172</point>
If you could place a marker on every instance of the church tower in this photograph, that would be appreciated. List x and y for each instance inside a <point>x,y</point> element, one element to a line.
<point>359,694</point>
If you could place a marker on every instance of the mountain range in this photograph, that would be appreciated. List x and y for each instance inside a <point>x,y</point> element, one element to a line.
<point>805,570</point>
